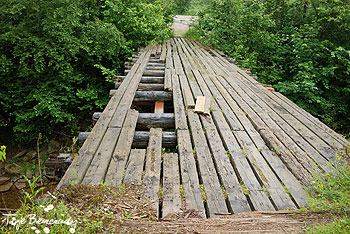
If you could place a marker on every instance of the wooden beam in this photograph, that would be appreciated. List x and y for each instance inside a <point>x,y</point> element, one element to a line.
<point>141,139</point>
<point>150,87</point>
<point>144,96</point>
<point>156,120</point>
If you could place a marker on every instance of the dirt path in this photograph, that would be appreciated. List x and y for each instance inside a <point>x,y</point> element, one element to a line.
<point>254,222</point>
<point>182,24</point>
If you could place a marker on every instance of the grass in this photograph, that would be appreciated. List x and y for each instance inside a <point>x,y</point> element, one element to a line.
<point>331,193</point>
<point>78,209</point>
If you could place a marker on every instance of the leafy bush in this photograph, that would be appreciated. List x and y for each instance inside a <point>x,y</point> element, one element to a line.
<point>295,46</point>
<point>53,54</point>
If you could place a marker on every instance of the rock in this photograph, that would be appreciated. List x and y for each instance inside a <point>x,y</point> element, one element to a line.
<point>20,154</point>
<point>3,180</point>
<point>21,184</point>
<point>5,187</point>
<point>29,174</point>
<point>13,168</point>
<point>15,178</point>
<point>30,156</point>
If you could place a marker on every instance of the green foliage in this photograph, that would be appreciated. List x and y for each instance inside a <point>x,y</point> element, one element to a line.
<point>176,7</point>
<point>338,226</point>
<point>300,47</point>
<point>3,153</point>
<point>331,193</point>
<point>54,55</point>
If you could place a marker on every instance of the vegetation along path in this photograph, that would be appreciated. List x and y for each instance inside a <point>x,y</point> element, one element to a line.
<point>198,133</point>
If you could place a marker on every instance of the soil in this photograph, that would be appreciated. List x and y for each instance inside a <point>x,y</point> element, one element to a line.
<point>254,222</point>
<point>134,214</point>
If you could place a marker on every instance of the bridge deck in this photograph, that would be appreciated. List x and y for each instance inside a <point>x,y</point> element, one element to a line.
<point>253,150</point>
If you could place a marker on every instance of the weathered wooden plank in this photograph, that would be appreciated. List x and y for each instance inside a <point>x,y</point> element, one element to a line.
<point>293,186</point>
<point>121,152</point>
<point>128,96</point>
<point>156,120</point>
<point>100,163</point>
<point>190,181</point>
<point>291,138</point>
<point>151,180</point>
<point>219,124</point>
<point>152,96</point>
<point>171,185</point>
<point>214,196</point>
<point>186,91</point>
<point>254,118</point>
<point>80,164</point>
<point>243,99</point>
<point>167,80</point>
<point>258,198</point>
<point>200,104</point>
<point>159,49</point>
<point>134,170</point>
<point>163,53</point>
<point>226,106</point>
<point>311,120</point>
<point>178,66</point>
<point>275,189</point>
<point>179,109</point>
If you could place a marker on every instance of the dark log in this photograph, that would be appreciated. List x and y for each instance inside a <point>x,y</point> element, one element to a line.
<point>150,60</point>
<point>150,87</point>
<point>82,137</point>
<point>144,79</point>
<point>152,96</point>
<point>154,68</point>
<point>156,65</point>
<point>156,120</point>
<point>141,138</point>
<point>149,73</point>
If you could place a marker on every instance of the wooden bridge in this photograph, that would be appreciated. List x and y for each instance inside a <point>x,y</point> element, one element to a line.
<point>214,139</point>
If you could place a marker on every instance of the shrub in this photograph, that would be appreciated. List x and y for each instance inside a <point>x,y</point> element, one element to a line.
<point>53,54</point>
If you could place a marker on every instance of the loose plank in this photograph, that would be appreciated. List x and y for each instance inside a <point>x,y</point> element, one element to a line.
<point>190,181</point>
<point>151,181</point>
<point>133,174</point>
<point>186,91</point>
<point>171,185</point>
<point>179,108</point>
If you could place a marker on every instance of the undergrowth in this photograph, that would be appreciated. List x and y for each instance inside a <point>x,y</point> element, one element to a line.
<point>330,193</point>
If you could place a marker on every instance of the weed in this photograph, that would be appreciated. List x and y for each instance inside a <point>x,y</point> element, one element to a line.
<point>2,153</point>
<point>204,194</point>
<point>244,189</point>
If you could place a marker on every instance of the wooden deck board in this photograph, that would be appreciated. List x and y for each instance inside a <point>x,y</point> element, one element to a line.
<point>133,174</point>
<point>117,166</point>
<point>151,180</point>
<point>214,196</point>
<point>171,185</point>
<point>248,149</point>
